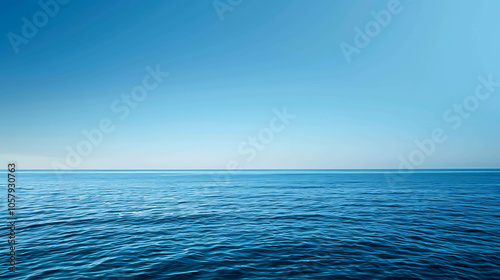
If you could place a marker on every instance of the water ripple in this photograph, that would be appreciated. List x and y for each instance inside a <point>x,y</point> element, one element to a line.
<point>262,225</point>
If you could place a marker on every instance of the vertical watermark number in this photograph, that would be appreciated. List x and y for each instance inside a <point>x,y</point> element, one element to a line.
<point>11,219</point>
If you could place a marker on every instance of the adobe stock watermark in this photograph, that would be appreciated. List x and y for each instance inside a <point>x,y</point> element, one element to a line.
<point>30,28</point>
<point>121,107</point>
<point>454,117</point>
<point>249,148</point>
<point>363,37</point>
<point>223,6</point>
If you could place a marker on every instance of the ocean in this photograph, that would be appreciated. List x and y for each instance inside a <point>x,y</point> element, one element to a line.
<point>275,224</point>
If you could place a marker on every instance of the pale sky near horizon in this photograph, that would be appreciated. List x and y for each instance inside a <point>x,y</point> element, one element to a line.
<point>232,79</point>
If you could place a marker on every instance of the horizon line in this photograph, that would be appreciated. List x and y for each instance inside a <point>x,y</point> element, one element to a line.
<point>254,169</point>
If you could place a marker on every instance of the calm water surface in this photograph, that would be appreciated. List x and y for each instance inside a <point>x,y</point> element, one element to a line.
<point>259,225</point>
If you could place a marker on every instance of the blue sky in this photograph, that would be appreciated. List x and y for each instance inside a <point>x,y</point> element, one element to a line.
<point>227,77</point>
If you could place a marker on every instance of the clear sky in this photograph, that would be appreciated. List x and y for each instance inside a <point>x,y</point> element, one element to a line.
<point>232,65</point>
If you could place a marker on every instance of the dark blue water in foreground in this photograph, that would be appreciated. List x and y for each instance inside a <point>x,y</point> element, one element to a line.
<point>259,225</point>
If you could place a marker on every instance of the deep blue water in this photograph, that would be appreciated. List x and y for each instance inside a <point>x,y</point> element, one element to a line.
<point>258,225</point>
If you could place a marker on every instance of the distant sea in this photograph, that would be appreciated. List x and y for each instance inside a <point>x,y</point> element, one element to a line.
<point>276,224</point>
